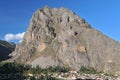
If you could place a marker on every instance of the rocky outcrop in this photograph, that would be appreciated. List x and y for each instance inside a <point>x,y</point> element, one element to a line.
<point>60,37</point>
<point>5,49</point>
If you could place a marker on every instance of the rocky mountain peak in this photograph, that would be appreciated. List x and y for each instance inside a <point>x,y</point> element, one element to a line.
<point>60,37</point>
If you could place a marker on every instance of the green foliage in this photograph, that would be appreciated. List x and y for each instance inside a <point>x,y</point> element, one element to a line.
<point>32,78</point>
<point>109,74</point>
<point>47,77</point>
<point>60,69</point>
<point>35,70</point>
<point>15,68</point>
<point>11,68</point>
<point>22,70</point>
<point>55,69</point>
<point>88,70</point>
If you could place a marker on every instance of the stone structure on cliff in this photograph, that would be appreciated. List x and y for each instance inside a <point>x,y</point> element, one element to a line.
<point>60,37</point>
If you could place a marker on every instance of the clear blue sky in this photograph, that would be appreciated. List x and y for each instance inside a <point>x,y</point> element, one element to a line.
<point>104,15</point>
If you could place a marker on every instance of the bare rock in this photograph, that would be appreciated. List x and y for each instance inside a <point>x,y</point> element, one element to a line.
<point>60,37</point>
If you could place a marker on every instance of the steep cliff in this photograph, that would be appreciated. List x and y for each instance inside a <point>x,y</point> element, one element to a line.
<point>60,37</point>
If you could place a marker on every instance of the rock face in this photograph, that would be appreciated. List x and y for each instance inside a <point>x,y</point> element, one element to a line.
<point>5,49</point>
<point>60,37</point>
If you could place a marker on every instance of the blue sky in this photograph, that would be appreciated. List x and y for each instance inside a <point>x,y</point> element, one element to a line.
<point>104,15</point>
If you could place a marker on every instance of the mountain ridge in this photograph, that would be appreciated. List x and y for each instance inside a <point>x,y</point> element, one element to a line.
<point>5,49</point>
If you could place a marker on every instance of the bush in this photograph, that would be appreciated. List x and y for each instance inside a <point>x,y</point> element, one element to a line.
<point>55,69</point>
<point>88,70</point>
<point>60,69</point>
<point>22,71</point>
<point>11,68</point>
<point>47,77</point>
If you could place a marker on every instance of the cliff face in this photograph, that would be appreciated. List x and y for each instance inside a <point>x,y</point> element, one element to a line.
<point>5,49</point>
<point>60,37</point>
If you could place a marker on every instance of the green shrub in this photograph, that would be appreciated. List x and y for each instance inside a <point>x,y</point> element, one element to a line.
<point>109,74</point>
<point>11,68</point>
<point>88,70</point>
<point>60,69</point>
<point>47,77</point>
<point>55,69</point>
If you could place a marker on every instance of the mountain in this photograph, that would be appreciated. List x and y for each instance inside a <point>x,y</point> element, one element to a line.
<point>5,49</point>
<point>60,37</point>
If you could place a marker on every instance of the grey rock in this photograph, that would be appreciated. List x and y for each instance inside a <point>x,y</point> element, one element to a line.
<point>60,37</point>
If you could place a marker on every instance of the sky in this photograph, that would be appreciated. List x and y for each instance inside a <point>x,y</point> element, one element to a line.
<point>15,15</point>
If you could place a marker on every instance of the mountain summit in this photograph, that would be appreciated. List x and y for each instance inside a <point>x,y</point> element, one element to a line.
<point>60,37</point>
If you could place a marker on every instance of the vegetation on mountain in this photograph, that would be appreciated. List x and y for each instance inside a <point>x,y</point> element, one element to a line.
<point>15,71</point>
<point>23,71</point>
<point>88,70</point>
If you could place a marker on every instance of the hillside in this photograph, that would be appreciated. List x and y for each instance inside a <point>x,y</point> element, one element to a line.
<point>60,37</point>
<point>5,49</point>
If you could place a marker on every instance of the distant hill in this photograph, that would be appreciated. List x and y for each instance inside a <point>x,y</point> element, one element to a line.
<point>5,49</point>
<point>60,37</point>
